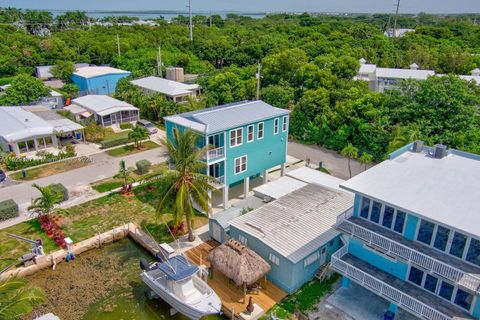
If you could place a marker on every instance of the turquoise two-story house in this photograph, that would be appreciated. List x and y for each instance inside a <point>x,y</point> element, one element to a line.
<point>245,140</point>
<point>413,236</point>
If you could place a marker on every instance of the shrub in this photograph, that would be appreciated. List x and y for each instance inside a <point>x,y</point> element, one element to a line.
<point>143,166</point>
<point>60,188</point>
<point>114,142</point>
<point>8,209</point>
<point>126,125</point>
<point>70,149</point>
<point>14,163</point>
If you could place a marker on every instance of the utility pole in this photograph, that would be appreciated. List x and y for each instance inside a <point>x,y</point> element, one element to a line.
<point>396,18</point>
<point>118,45</point>
<point>159,62</point>
<point>190,24</point>
<point>210,19</point>
<point>258,76</point>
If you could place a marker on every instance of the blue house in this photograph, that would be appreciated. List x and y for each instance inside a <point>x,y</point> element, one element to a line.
<point>414,233</point>
<point>294,233</point>
<point>245,139</point>
<point>98,80</point>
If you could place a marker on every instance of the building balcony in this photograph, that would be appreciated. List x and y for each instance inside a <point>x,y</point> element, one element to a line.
<point>215,153</point>
<point>395,245</point>
<point>405,295</point>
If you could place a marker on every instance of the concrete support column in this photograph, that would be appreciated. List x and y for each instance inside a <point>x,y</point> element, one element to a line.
<point>282,169</point>
<point>209,203</point>
<point>265,176</point>
<point>345,282</point>
<point>225,197</point>
<point>246,187</point>
<point>35,143</point>
<point>15,148</point>
<point>54,141</point>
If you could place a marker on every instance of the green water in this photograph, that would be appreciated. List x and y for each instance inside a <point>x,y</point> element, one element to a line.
<point>133,301</point>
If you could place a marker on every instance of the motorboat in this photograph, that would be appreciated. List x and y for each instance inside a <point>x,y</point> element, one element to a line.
<point>178,283</point>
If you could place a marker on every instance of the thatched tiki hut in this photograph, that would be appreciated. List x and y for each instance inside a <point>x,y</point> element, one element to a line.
<point>239,264</point>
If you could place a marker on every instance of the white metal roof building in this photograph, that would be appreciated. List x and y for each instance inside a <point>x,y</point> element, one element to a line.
<point>174,90</point>
<point>107,110</point>
<point>220,118</point>
<point>278,188</point>
<point>442,190</point>
<point>19,124</point>
<point>309,175</point>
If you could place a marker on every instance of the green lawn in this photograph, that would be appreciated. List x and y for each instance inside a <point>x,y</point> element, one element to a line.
<point>51,169</point>
<point>110,134</point>
<point>94,217</point>
<point>305,299</point>
<point>130,149</point>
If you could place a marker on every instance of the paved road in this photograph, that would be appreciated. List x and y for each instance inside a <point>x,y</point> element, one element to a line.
<point>332,161</point>
<point>103,166</point>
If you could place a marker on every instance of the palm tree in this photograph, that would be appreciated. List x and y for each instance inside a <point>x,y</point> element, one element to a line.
<point>16,299</point>
<point>185,183</point>
<point>366,159</point>
<point>137,135</point>
<point>350,152</point>
<point>124,174</point>
<point>403,136</point>
<point>45,204</point>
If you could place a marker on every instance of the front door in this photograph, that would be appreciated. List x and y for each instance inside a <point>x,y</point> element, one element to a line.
<point>214,170</point>
<point>323,256</point>
<point>217,232</point>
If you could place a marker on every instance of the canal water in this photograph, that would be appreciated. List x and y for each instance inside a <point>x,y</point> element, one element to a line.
<point>102,284</point>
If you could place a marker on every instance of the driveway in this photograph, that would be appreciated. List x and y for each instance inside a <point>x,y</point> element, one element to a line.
<point>332,161</point>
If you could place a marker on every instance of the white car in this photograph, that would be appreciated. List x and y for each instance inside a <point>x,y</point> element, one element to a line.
<point>147,125</point>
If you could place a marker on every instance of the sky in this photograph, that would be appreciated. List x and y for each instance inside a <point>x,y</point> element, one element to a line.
<point>367,6</point>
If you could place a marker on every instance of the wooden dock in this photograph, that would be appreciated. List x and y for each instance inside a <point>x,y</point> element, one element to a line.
<point>229,293</point>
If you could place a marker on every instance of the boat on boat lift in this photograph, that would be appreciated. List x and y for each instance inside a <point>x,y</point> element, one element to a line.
<point>177,282</point>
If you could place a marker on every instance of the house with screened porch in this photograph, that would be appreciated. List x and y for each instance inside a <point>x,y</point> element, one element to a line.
<point>245,140</point>
<point>413,235</point>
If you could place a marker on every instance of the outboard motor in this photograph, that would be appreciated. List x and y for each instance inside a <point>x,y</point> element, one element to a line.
<point>144,264</point>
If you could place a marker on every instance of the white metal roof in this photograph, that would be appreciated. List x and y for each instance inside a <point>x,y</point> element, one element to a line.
<point>394,73</point>
<point>59,123</point>
<point>299,223</point>
<point>278,188</point>
<point>309,175</point>
<point>75,109</point>
<point>165,86</point>
<point>367,68</point>
<point>443,190</point>
<point>219,118</point>
<point>19,124</point>
<point>471,78</point>
<point>90,72</point>
<point>44,71</point>
<point>102,105</point>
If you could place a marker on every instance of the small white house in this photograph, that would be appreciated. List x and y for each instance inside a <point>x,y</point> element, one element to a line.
<point>173,90</point>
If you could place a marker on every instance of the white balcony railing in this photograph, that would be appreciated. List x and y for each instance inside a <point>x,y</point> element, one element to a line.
<point>221,180</point>
<point>392,247</point>
<point>383,289</point>
<point>215,153</point>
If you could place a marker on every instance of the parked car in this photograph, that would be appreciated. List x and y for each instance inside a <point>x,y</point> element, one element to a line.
<point>3,176</point>
<point>147,125</point>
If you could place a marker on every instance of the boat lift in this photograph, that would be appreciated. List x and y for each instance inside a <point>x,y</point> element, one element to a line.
<point>37,250</point>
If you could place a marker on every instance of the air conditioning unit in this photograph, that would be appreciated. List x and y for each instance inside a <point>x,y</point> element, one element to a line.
<point>439,151</point>
<point>417,146</point>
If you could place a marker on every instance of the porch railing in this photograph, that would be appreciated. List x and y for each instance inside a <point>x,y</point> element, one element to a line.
<point>383,289</point>
<point>221,180</point>
<point>215,153</point>
<point>392,247</point>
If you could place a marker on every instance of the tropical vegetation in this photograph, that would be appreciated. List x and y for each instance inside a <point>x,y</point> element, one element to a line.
<point>17,298</point>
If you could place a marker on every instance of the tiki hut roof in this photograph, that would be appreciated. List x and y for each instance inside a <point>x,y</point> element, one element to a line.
<point>238,263</point>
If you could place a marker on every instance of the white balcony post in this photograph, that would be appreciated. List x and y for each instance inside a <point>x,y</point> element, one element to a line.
<point>225,197</point>
<point>265,176</point>
<point>246,187</point>
<point>209,203</point>
<point>282,169</point>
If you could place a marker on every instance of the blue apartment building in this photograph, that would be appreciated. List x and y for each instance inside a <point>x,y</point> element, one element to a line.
<point>413,236</point>
<point>245,140</point>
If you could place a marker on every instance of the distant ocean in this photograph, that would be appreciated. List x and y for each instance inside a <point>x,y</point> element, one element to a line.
<point>167,15</point>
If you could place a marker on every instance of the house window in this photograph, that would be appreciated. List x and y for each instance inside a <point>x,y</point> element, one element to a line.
<point>365,207</point>
<point>425,232</point>
<point>236,137</point>
<point>261,127</point>
<point>399,221</point>
<point>274,259</point>
<point>473,254</point>
<point>275,126</point>
<point>446,291</point>
<point>463,299</point>
<point>242,239</point>
<point>388,217</point>
<point>284,124</point>
<point>375,214</point>
<point>250,132</point>
<point>441,238</point>
<point>311,259</point>
<point>458,245</point>
<point>415,276</point>
<point>431,283</point>
<point>240,164</point>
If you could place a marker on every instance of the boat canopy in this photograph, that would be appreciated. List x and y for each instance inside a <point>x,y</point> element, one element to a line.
<point>178,268</point>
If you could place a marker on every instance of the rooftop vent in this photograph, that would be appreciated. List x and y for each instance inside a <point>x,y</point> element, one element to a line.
<point>439,151</point>
<point>476,72</point>
<point>414,66</point>
<point>417,146</point>
<point>26,119</point>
